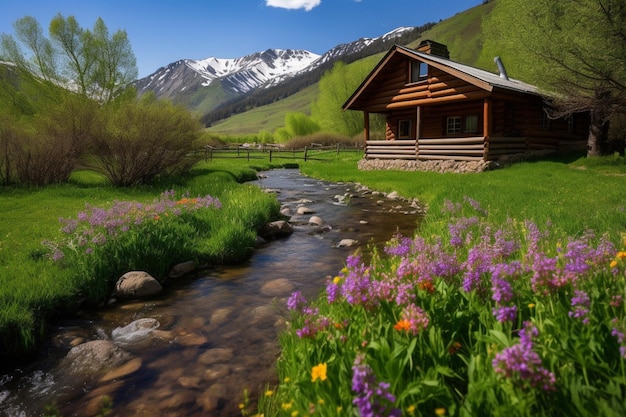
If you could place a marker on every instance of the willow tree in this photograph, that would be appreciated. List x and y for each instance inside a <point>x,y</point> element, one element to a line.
<point>52,90</point>
<point>574,50</point>
<point>90,62</point>
<point>335,87</point>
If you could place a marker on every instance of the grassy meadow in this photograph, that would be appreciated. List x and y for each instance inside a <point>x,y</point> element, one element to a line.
<point>468,215</point>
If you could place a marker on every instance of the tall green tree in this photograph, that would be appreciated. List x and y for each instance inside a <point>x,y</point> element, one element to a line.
<point>574,50</point>
<point>335,87</point>
<point>90,62</point>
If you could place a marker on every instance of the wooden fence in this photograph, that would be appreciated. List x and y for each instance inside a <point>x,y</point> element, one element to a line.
<point>315,152</point>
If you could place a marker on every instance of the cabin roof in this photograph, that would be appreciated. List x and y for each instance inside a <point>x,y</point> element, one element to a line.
<point>481,78</point>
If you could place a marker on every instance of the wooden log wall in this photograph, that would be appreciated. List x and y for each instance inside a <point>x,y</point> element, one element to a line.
<point>392,92</point>
<point>384,149</point>
<point>462,149</point>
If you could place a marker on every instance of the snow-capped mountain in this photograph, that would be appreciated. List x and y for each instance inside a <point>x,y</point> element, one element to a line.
<point>204,84</point>
<point>240,75</point>
<point>357,46</point>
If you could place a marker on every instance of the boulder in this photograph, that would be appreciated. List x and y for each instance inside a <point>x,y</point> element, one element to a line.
<point>137,284</point>
<point>96,356</point>
<point>137,333</point>
<point>316,220</point>
<point>182,269</point>
<point>346,243</point>
<point>304,210</point>
<point>276,229</point>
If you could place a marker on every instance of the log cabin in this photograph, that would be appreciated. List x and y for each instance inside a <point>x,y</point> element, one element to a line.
<point>438,109</point>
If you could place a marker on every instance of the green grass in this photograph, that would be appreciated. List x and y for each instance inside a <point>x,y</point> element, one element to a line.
<point>573,194</point>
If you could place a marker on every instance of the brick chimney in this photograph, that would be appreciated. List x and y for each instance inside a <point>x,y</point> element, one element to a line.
<point>433,48</point>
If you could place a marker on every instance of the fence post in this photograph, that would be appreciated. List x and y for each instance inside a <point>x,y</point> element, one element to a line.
<point>270,155</point>
<point>337,149</point>
<point>248,155</point>
<point>305,152</point>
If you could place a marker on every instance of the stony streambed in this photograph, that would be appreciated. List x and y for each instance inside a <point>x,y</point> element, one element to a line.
<point>195,348</point>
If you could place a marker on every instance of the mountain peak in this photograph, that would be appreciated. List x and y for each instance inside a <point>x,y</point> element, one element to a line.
<point>185,79</point>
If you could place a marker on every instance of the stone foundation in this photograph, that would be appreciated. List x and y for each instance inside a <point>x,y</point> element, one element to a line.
<point>447,165</point>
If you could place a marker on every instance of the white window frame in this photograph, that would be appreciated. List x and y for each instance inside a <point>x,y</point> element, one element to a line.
<point>453,125</point>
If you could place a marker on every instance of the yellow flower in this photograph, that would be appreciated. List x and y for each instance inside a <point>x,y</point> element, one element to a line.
<point>320,401</point>
<point>319,372</point>
<point>621,254</point>
<point>411,409</point>
<point>287,379</point>
<point>531,305</point>
<point>613,264</point>
<point>286,406</point>
<point>337,280</point>
<point>241,406</point>
<point>440,411</point>
<point>294,413</point>
<point>269,393</point>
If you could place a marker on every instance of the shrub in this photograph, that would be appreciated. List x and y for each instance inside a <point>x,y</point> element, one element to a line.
<point>45,148</point>
<point>143,140</point>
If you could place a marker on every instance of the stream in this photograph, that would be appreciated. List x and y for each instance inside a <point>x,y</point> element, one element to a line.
<point>210,336</point>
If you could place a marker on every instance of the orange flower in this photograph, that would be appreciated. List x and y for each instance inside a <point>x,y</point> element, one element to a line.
<point>402,325</point>
<point>427,286</point>
<point>454,348</point>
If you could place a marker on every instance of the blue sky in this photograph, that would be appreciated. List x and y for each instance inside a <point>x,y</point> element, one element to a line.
<point>164,31</point>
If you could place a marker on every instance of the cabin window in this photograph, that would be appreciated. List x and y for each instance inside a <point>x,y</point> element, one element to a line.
<point>453,125</point>
<point>419,71</point>
<point>471,124</point>
<point>404,129</point>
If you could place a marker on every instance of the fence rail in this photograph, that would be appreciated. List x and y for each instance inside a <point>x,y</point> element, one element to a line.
<point>315,152</point>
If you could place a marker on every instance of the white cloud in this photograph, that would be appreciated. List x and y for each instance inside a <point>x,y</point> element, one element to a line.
<point>307,5</point>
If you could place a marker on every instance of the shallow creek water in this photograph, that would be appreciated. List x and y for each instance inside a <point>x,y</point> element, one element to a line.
<point>218,330</point>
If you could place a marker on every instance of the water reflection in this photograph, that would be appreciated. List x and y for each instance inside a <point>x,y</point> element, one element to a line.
<point>217,332</point>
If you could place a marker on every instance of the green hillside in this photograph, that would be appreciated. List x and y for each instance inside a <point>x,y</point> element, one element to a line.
<point>461,33</point>
<point>269,117</point>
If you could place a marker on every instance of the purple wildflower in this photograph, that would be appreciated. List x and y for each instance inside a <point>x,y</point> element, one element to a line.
<point>372,399</point>
<point>581,303</point>
<point>505,313</point>
<point>475,205</point>
<point>458,230</point>
<point>296,301</point>
<point>522,365</point>
<point>618,333</point>
<point>398,246</point>
<point>502,290</point>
